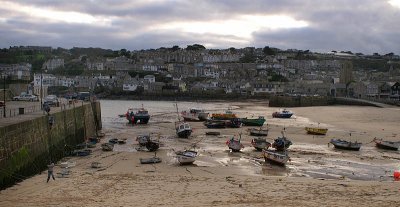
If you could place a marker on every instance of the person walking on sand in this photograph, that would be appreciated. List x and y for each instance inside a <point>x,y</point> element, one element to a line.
<point>50,172</point>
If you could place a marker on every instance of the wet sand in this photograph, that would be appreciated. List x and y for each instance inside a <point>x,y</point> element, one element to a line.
<point>317,175</point>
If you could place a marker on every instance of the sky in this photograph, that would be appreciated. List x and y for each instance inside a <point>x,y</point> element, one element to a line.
<point>366,26</point>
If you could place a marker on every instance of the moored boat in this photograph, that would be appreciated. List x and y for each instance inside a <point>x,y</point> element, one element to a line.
<point>151,160</point>
<point>224,116</point>
<point>260,143</point>
<point>152,145</point>
<point>234,144</point>
<point>183,129</point>
<point>276,157</point>
<point>389,145</point>
<point>343,144</point>
<point>213,133</point>
<point>253,122</point>
<point>258,132</point>
<point>316,130</point>
<point>215,124</point>
<point>282,114</point>
<point>186,157</point>
<point>234,123</point>
<point>142,139</point>
<point>194,114</point>
<point>141,116</point>
<point>281,143</point>
<point>107,146</point>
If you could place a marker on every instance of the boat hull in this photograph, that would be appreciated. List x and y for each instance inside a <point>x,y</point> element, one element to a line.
<point>260,144</point>
<point>387,145</point>
<point>316,131</point>
<point>256,132</point>
<point>253,122</point>
<point>234,145</point>
<point>345,145</point>
<point>184,133</point>
<point>186,157</point>
<point>282,116</point>
<point>275,157</point>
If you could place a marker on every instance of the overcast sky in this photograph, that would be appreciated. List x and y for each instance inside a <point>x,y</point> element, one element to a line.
<point>365,26</point>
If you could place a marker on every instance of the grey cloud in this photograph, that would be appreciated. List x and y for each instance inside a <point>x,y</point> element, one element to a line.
<point>359,25</point>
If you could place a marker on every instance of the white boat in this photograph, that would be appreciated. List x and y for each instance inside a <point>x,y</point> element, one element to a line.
<point>194,114</point>
<point>186,157</point>
<point>276,157</point>
<point>183,129</point>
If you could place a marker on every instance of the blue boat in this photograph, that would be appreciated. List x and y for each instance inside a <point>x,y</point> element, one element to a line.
<point>282,114</point>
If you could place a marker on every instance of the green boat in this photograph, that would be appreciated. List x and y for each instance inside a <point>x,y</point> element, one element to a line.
<point>253,122</point>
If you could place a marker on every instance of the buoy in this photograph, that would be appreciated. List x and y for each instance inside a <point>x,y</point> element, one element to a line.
<point>396,175</point>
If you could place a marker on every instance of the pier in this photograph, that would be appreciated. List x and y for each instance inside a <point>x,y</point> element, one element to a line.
<point>30,140</point>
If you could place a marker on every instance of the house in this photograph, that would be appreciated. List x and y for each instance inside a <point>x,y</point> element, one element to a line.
<point>131,84</point>
<point>268,87</point>
<point>53,64</point>
<point>395,91</point>
<point>150,78</point>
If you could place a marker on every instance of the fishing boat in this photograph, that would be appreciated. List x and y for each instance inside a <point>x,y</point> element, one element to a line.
<point>258,132</point>
<point>253,122</point>
<point>113,140</point>
<point>151,160</point>
<point>316,130</point>
<point>107,146</point>
<point>186,157</point>
<point>142,139</point>
<point>194,114</point>
<point>152,145</point>
<point>182,128</point>
<point>141,116</point>
<point>234,123</point>
<point>260,143</point>
<point>234,144</point>
<point>281,143</point>
<point>276,157</point>
<point>213,133</point>
<point>389,145</point>
<point>224,116</point>
<point>343,144</point>
<point>215,124</point>
<point>282,114</point>
<point>122,141</point>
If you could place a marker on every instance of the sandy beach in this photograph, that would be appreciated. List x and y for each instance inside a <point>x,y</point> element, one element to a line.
<point>317,175</point>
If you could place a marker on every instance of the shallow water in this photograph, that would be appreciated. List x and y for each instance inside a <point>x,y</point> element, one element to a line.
<point>307,159</point>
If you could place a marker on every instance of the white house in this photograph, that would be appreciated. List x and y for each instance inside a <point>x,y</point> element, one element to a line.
<point>130,85</point>
<point>150,78</point>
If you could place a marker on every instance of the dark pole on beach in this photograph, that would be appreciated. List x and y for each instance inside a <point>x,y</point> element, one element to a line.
<point>4,96</point>
<point>41,89</point>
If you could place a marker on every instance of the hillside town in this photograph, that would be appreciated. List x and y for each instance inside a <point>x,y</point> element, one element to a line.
<point>195,70</point>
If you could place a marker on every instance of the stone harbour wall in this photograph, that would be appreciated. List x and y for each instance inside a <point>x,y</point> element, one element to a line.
<point>27,147</point>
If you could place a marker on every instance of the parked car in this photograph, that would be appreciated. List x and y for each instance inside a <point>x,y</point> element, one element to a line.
<point>84,96</point>
<point>51,100</point>
<point>25,97</point>
<point>2,104</point>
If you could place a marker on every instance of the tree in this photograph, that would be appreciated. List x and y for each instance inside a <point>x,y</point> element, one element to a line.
<point>175,48</point>
<point>268,51</point>
<point>195,47</point>
<point>248,58</point>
